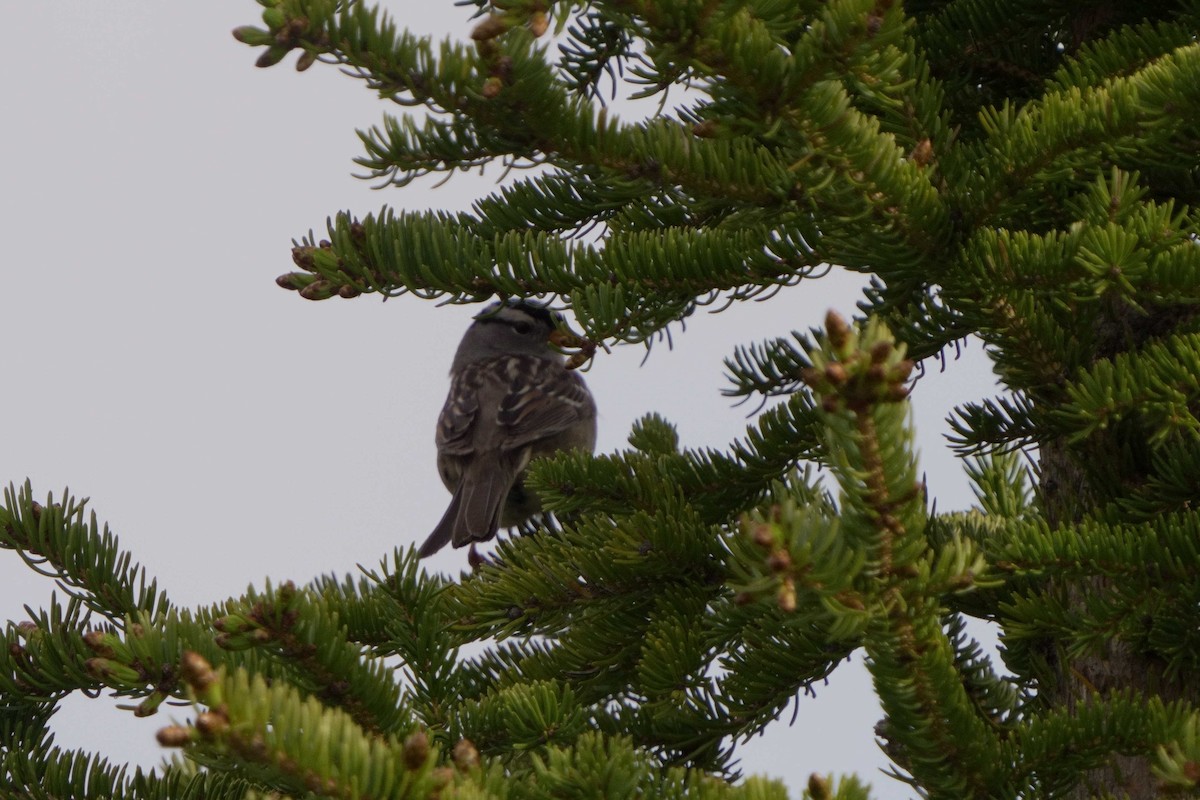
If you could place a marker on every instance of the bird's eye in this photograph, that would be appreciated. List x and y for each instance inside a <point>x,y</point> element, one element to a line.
<point>522,327</point>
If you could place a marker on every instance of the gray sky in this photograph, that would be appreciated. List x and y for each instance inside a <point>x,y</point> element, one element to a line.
<point>151,182</point>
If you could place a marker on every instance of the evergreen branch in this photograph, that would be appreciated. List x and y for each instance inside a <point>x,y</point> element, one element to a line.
<point>55,653</point>
<point>596,48</point>
<point>1001,701</point>
<point>293,743</point>
<point>1023,287</point>
<point>598,560</point>
<point>860,379</point>
<point>934,726</point>
<point>1129,561</point>
<point>1006,52</point>
<point>771,368</point>
<point>55,540</point>
<point>365,41</point>
<point>1000,482</point>
<point>613,767</point>
<point>1123,52</point>
<point>431,254</point>
<point>44,658</point>
<point>922,317</point>
<point>364,608</point>
<point>419,631</point>
<point>52,772</point>
<point>1053,750</point>
<point>1158,385</point>
<point>736,169</point>
<point>563,201</point>
<point>25,738</point>
<point>1176,760</point>
<point>308,640</point>
<point>1001,425</point>
<point>719,485</point>
<point>511,723</point>
<point>1171,487</point>
<point>1122,120</point>
<point>1155,552</point>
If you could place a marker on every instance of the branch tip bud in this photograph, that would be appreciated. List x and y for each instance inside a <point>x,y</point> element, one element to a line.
<point>174,736</point>
<point>465,755</point>
<point>416,750</point>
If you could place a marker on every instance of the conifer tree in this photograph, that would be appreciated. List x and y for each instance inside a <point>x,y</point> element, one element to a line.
<point>1023,172</point>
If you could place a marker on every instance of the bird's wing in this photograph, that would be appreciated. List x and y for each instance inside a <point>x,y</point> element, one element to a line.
<point>457,420</point>
<point>542,399</point>
<point>532,398</point>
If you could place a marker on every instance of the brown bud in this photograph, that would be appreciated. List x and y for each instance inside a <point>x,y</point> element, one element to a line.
<point>196,670</point>
<point>271,56</point>
<point>762,535</point>
<point>880,352</point>
<point>465,755</point>
<point>922,154</point>
<point>347,291</point>
<point>97,642</point>
<point>174,736</point>
<point>211,723</point>
<point>837,328</point>
<point>302,258</point>
<point>836,374</point>
<point>539,23</point>
<point>787,596</point>
<point>487,49</point>
<point>317,290</point>
<point>306,60</point>
<point>489,28</point>
<point>416,750</point>
<point>850,600</point>
<point>491,87</point>
<point>818,787</point>
<point>705,130</point>
<point>779,561</point>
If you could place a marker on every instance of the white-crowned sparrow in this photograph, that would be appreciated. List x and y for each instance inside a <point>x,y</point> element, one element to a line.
<point>511,399</point>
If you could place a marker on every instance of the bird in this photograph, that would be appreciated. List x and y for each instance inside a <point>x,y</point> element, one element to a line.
<point>511,399</point>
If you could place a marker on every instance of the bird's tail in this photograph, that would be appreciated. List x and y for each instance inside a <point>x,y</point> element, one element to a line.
<point>474,511</point>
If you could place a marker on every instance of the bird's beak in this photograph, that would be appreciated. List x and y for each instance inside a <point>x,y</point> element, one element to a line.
<point>561,337</point>
<point>584,348</point>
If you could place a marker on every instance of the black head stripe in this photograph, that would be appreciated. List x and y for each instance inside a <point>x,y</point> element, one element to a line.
<point>538,312</point>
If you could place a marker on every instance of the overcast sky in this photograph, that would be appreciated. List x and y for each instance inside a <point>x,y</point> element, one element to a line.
<point>151,181</point>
